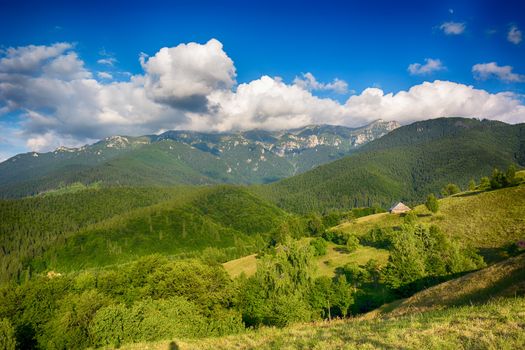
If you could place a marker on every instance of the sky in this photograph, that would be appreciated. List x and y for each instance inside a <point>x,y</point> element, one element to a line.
<point>75,72</point>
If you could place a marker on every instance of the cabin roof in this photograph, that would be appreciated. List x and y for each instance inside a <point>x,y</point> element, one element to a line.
<point>399,206</point>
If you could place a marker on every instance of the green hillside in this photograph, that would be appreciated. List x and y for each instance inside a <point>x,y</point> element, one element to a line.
<point>405,165</point>
<point>30,226</point>
<point>495,325</point>
<point>218,222</point>
<point>487,220</point>
<point>504,279</point>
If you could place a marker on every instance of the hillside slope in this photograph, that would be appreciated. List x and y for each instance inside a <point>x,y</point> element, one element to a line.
<point>223,222</point>
<point>485,220</point>
<point>404,165</point>
<point>495,325</point>
<point>504,279</point>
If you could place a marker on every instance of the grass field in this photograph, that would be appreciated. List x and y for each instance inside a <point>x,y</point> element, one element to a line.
<point>336,256</point>
<point>486,220</point>
<point>499,324</point>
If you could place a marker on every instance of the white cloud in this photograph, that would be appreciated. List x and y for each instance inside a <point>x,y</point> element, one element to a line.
<point>514,35</point>
<point>183,76</point>
<point>108,61</point>
<point>484,71</point>
<point>192,86</point>
<point>309,82</point>
<point>430,66</point>
<point>433,100</point>
<point>104,75</point>
<point>453,28</point>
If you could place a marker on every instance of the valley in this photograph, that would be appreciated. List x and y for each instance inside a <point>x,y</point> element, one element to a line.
<point>123,251</point>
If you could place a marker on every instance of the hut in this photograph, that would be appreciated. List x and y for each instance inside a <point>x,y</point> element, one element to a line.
<point>399,208</point>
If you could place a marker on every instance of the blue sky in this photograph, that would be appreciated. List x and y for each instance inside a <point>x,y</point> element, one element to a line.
<point>365,44</point>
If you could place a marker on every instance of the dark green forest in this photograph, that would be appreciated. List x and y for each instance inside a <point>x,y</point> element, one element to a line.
<point>404,165</point>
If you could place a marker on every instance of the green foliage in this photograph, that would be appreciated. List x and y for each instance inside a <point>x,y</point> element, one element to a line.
<point>7,335</point>
<point>352,243</point>
<point>450,189</point>
<point>319,245</point>
<point>314,224</point>
<point>379,237</point>
<point>404,165</point>
<point>283,290</point>
<point>149,299</point>
<point>336,236</point>
<point>31,226</point>
<point>420,255</point>
<point>484,183</point>
<point>499,179</point>
<point>150,320</point>
<point>410,218</point>
<point>472,185</point>
<point>432,203</point>
<point>184,222</point>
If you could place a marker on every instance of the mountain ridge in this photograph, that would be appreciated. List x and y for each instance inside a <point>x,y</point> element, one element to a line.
<point>186,157</point>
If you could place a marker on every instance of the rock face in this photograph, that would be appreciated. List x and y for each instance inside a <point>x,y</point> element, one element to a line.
<point>254,156</point>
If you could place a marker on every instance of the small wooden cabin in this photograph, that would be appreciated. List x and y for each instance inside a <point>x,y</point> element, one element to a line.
<point>399,208</point>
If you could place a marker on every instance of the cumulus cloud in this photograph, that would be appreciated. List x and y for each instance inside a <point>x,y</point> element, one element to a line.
<point>514,35</point>
<point>183,76</point>
<point>430,66</point>
<point>193,86</point>
<point>484,71</point>
<point>309,82</point>
<point>453,28</point>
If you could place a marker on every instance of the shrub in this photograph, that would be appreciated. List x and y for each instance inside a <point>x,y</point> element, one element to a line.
<point>450,189</point>
<point>7,335</point>
<point>432,203</point>
<point>319,245</point>
<point>352,243</point>
<point>378,237</point>
<point>336,236</point>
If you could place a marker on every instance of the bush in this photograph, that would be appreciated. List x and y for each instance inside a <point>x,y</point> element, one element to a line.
<point>336,236</point>
<point>450,189</point>
<point>7,335</point>
<point>319,245</point>
<point>352,243</point>
<point>432,203</point>
<point>378,237</point>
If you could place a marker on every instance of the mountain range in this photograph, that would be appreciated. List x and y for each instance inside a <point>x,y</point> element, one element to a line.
<point>187,157</point>
<point>406,164</point>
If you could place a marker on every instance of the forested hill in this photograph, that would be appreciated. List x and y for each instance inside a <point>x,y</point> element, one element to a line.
<point>186,157</point>
<point>405,165</point>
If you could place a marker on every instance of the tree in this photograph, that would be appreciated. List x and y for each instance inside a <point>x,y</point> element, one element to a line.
<point>315,225</point>
<point>511,174</point>
<point>319,245</point>
<point>471,185</point>
<point>432,203</point>
<point>410,218</point>
<point>498,179</point>
<point>352,243</point>
<point>484,183</point>
<point>450,189</point>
